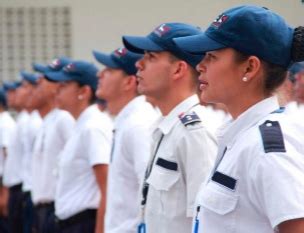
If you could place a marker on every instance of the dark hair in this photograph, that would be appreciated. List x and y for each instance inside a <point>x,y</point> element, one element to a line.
<point>93,98</point>
<point>276,74</point>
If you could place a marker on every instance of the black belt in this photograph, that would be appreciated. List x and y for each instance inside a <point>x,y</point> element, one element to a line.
<point>84,215</point>
<point>16,188</point>
<point>47,205</point>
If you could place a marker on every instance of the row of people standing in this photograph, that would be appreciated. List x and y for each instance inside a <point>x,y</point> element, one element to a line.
<point>169,185</point>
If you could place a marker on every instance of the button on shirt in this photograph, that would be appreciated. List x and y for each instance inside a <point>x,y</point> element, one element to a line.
<point>89,145</point>
<point>55,130</point>
<point>28,138</point>
<point>13,164</point>
<point>7,126</point>
<point>250,190</point>
<point>183,160</point>
<point>130,155</point>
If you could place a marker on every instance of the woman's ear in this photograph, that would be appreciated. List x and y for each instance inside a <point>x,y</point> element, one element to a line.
<point>252,67</point>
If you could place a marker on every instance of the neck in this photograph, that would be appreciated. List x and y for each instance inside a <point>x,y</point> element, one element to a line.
<point>77,111</point>
<point>167,103</point>
<point>116,105</point>
<point>242,104</point>
<point>46,108</point>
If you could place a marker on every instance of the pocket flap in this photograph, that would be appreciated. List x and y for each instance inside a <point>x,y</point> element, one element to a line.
<point>162,179</point>
<point>216,201</point>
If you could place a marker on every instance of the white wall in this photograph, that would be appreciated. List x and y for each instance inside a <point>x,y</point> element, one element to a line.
<point>99,24</point>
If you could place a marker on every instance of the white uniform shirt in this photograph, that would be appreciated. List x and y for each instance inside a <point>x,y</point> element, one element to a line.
<point>250,190</point>
<point>132,144</point>
<point>183,160</point>
<point>7,126</point>
<point>15,153</point>
<point>89,145</point>
<point>55,130</point>
<point>28,138</point>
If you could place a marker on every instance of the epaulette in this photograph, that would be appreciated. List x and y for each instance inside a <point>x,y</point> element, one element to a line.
<point>189,118</point>
<point>272,137</point>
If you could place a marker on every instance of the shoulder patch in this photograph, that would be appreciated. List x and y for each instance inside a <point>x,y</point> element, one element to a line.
<point>189,118</point>
<point>272,136</point>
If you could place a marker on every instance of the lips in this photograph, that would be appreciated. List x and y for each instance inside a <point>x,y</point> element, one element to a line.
<point>203,84</point>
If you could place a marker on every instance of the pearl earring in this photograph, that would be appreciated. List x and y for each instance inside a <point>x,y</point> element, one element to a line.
<point>244,79</point>
<point>80,97</point>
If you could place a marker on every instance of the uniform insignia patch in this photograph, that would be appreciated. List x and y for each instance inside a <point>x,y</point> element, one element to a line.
<point>272,137</point>
<point>189,118</point>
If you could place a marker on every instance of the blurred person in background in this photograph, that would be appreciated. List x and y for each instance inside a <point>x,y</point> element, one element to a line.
<point>56,129</point>
<point>83,164</point>
<point>131,147</point>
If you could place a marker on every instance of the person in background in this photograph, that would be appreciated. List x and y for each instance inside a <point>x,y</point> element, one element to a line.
<point>12,177</point>
<point>131,146</point>
<point>257,182</point>
<point>7,125</point>
<point>28,135</point>
<point>56,129</point>
<point>83,165</point>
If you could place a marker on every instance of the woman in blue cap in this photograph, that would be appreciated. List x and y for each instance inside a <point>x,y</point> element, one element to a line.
<point>83,164</point>
<point>257,182</point>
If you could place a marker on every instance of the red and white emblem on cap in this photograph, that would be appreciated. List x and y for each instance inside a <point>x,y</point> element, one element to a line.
<point>120,52</point>
<point>55,64</point>
<point>161,30</point>
<point>70,68</point>
<point>220,20</point>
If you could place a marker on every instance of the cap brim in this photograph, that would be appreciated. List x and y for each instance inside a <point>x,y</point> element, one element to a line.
<point>138,44</point>
<point>198,44</point>
<point>57,76</point>
<point>105,59</point>
<point>40,68</point>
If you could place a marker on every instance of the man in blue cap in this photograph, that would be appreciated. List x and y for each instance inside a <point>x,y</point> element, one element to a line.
<point>184,150</point>
<point>28,135</point>
<point>131,145</point>
<point>55,130</point>
<point>7,125</point>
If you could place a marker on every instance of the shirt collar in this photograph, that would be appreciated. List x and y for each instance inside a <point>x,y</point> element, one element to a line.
<point>85,115</point>
<point>247,119</point>
<point>128,110</point>
<point>167,122</point>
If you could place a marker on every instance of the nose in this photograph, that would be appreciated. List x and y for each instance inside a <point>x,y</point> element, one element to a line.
<point>140,64</point>
<point>200,67</point>
<point>100,74</point>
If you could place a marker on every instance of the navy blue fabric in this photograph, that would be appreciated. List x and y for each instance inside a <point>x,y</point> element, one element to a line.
<point>15,209</point>
<point>56,65</point>
<point>27,213</point>
<point>45,220</point>
<point>2,97</point>
<point>119,59</point>
<point>224,180</point>
<point>273,140</point>
<point>251,30</point>
<point>166,164</point>
<point>79,71</point>
<point>29,77</point>
<point>7,86</point>
<point>161,39</point>
<point>190,118</point>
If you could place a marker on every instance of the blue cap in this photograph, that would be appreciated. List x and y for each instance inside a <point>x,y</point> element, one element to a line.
<point>56,65</point>
<point>82,72</point>
<point>250,30</point>
<point>294,69</point>
<point>13,85</point>
<point>30,77</point>
<point>161,39</point>
<point>2,97</point>
<point>119,59</point>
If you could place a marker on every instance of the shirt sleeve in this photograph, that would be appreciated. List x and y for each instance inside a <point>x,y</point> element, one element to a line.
<point>137,143</point>
<point>97,146</point>
<point>277,181</point>
<point>198,149</point>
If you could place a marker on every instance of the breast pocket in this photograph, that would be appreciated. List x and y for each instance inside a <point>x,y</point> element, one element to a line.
<point>217,206</point>
<point>165,191</point>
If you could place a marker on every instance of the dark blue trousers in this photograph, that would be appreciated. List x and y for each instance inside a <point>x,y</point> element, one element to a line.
<point>27,213</point>
<point>15,209</point>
